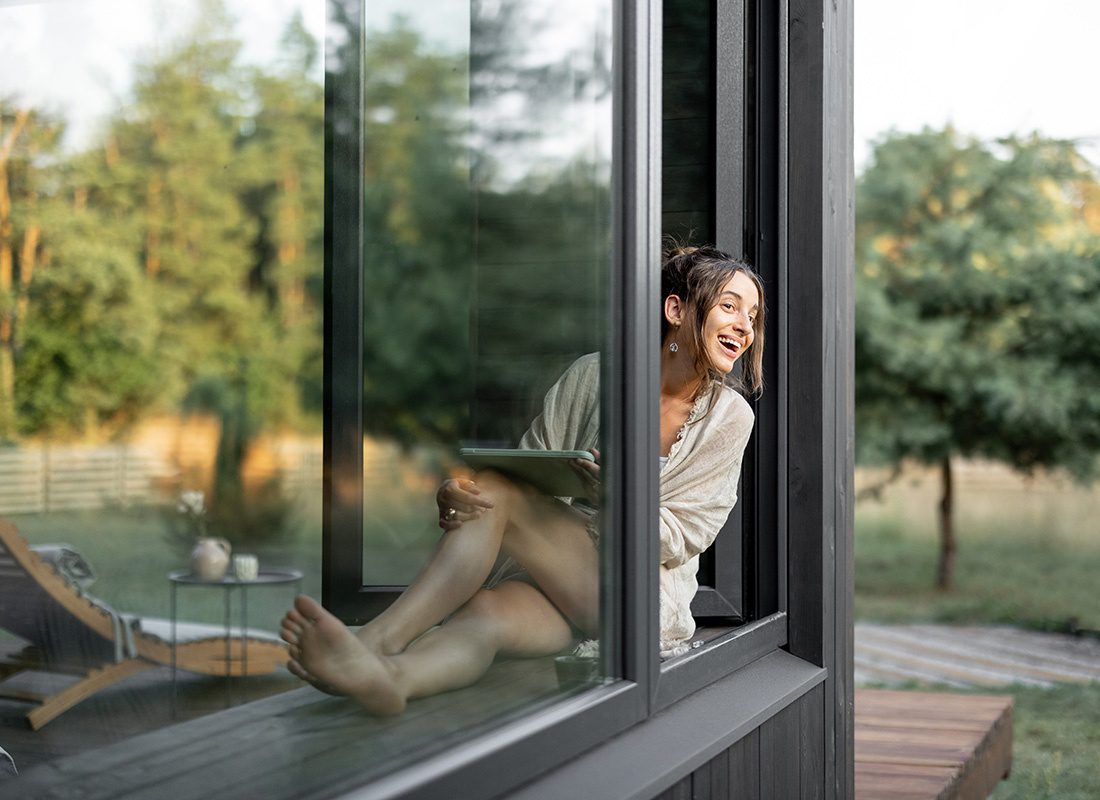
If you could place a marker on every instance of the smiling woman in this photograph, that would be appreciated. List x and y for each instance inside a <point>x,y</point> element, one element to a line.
<point>446,628</point>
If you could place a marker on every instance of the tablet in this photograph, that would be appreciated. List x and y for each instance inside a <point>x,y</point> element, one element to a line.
<point>549,471</point>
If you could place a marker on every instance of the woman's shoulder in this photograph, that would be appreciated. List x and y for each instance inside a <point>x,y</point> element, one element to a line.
<point>589,362</point>
<point>585,370</point>
<point>732,407</point>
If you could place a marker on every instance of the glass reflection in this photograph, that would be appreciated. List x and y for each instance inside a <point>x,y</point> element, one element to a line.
<point>487,207</point>
<point>161,187</point>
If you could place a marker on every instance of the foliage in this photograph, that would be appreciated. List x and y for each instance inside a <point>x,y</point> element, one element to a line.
<point>978,296</point>
<point>417,222</point>
<point>180,253</point>
<point>176,262</point>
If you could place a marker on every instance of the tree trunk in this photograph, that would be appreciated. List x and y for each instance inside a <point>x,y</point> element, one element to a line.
<point>945,573</point>
<point>7,261</point>
<point>27,262</point>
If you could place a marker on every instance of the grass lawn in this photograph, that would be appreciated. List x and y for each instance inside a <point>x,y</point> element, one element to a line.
<point>132,557</point>
<point>1057,744</point>
<point>1004,577</point>
<point>1028,550</point>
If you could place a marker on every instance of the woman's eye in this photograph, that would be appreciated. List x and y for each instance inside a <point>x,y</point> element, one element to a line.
<point>727,306</point>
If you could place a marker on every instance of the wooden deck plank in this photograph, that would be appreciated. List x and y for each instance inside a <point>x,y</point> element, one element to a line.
<point>298,744</point>
<point>923,745</point>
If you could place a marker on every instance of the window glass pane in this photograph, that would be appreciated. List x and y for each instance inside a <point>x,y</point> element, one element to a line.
<point>486,257</point>
<point>161,265</point>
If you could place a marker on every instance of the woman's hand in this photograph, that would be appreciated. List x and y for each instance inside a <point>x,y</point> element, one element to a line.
<point>459,501</point>
<point>590,476</point>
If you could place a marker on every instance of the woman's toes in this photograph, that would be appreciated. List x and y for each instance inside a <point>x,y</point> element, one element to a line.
<point>298,671</point>
<point>308,608</point>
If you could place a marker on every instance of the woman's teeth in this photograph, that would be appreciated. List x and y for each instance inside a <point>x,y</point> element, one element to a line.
<point>730,344</point>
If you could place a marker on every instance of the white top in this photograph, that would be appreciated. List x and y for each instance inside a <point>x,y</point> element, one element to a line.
<point>698,480</point>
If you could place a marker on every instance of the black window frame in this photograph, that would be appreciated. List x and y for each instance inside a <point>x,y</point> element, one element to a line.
<point>773,145</point>
<point>569,727</point>
<point>749,555</point>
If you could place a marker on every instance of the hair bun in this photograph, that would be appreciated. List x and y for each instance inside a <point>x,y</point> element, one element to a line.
<point>675,249</point>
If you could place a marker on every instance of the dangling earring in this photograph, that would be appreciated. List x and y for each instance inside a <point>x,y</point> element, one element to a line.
<point>673,347</point>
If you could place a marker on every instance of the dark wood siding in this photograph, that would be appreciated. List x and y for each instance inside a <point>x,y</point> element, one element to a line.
<point>783,758</point>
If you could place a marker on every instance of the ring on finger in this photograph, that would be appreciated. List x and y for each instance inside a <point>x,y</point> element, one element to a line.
<point>450,514</point>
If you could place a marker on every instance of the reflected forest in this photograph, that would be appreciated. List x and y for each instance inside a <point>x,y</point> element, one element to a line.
<point>173,264</point>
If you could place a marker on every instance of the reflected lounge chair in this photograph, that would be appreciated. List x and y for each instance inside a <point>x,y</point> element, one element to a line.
<point>70,632</point>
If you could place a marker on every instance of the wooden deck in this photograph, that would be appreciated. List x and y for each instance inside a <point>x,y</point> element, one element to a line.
<point>925,745</point>
<point>295,745</point>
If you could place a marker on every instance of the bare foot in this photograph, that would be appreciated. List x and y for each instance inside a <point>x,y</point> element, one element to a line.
<point>292,626</point>
<point>376,640</point>
<point>330,653</point>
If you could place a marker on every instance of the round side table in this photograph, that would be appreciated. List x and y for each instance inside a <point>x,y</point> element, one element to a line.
<point>265,578</point>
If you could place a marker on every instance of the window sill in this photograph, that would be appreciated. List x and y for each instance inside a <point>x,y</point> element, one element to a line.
<point>655,754</point>
<point>693,671</point>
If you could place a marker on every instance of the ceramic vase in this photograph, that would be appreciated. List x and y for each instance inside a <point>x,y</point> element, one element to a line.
<point>210,558</point>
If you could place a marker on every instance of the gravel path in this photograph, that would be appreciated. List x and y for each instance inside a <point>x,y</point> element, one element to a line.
<point>972,656</point>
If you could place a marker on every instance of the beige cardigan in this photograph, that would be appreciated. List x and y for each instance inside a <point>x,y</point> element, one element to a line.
<point>698,482</point>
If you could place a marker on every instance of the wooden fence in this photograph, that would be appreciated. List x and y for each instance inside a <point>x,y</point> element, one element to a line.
<point>55,478</point>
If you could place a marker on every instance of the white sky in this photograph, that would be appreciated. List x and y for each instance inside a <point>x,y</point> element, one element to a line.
<point>75,56</point>
<point>990,67</point>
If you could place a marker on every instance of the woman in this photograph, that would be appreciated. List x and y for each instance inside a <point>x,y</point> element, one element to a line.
<point>444,631</point>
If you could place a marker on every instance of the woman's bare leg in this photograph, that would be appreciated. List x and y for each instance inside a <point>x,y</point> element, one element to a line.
<point>514,618</point>
<point>527,526</point>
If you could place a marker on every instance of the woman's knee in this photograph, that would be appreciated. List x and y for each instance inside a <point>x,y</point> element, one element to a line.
<point>483,613</point>
<point>484,603</point>
<point>498,486</point>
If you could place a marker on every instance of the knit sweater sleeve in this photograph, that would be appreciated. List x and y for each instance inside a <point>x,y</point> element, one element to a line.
<point>700,496</point>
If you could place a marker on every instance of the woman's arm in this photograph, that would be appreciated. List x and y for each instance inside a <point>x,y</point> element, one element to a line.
<point>697,499</point>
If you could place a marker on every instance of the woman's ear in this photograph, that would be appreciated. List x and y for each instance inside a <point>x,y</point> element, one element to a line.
<point>674,310</point>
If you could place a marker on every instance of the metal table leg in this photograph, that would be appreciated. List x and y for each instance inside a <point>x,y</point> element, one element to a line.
<point>172,605</point>
<point>244,630</point>
<point>228,651</point>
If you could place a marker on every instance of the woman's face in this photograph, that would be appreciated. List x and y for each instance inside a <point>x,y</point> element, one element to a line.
<point>727,328</point>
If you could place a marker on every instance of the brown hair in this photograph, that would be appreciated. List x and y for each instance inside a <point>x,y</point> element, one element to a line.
<point>696,275</point>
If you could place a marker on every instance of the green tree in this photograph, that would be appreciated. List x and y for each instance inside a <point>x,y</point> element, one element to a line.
<point>978,309</point>
<point>27,140</point>
<point>417,238</point>
<point>88,360</point>
<point>282,164</point>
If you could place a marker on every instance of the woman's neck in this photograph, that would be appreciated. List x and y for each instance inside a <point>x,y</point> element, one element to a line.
<point>680,380</point>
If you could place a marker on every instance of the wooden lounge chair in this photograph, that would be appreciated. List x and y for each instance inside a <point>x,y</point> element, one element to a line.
<point>71,632</point>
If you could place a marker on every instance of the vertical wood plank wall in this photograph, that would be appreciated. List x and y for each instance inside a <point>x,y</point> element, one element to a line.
<point>687,114</point>
<point>780,760</point>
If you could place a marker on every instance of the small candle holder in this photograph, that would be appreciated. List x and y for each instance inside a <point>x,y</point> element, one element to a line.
<point>246,567</point>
